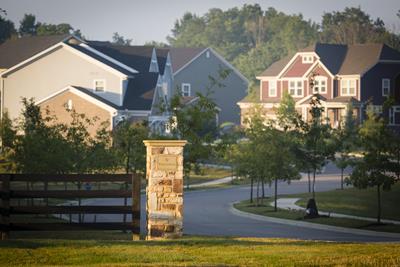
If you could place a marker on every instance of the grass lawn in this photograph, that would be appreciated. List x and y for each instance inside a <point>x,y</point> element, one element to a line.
<point>115,249</point>
<point>348,198</point>
<point>208,174</point>
<point>358,202</point>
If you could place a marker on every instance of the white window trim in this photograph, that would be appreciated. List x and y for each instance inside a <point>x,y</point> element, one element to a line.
<point>307,59</point>
<point>94,85</point>
<point>269,88</point>
<point>189,89</point>
<point>383,88</point>
<point>348,87</point>
<point>321,78</point>
<point>392,119</point>
<point>296,88</point>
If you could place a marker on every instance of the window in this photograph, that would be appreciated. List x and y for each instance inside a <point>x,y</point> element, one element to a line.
<point>99,85</point>
<point>375,109</point>
<point>208,54</point>
<point>394,115</point>
<point>185,89</point>
<point>320,85</point>
<point>272,88</point>
<point>385,87</point>
<point>296,88</point>
<point>307,59</point>
<point>348,87</point>
<point>69,104</point>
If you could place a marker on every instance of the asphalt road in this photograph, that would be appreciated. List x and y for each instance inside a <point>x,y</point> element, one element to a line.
<point>207,212</point>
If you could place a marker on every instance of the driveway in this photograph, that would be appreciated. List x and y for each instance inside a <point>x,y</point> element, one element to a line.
<point>207,212</point>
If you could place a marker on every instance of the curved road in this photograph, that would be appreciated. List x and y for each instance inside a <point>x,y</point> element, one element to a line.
<point>207,212</point>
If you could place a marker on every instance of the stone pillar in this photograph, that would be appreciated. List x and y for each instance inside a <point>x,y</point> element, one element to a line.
<point>164,192</point>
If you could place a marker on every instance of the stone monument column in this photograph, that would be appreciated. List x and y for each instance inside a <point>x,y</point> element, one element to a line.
<point>164,192</point>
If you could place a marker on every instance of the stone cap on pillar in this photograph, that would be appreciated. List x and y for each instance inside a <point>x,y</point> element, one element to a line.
<point>165,143</point>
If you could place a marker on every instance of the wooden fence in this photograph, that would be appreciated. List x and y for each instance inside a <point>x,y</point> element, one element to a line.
<point>12,195</point>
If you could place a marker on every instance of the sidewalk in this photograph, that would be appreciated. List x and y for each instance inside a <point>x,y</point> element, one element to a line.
<point>290,203</point>
<point>224,180</point>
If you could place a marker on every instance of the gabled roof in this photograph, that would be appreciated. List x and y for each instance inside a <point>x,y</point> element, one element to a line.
<point>136,57</point>
<point>102,59</point>
<point>140,91</point>
<point>341,59</point>
<point>180,56</point>
<point>162,55</point>
<point>14,51</point>
<point>275,68</point>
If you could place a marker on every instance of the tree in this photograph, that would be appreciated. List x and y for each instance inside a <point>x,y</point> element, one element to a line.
<point>28,25</point>
<point>7,28</point>
<point>128,141</point>
<point>345,140</point>
<point>375,168</point>
<point>7,136</point>
<point>53,29</point>
<point>120,40</point>
<point>319,146</point>
<point>196,123</point>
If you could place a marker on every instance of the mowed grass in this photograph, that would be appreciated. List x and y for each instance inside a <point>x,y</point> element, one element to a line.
<point>267,210</point>
<point>193,251</point>
<point>208,174</point>
<point>358,202</point>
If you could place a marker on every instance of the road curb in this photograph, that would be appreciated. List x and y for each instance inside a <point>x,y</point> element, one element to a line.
<point>338,229</point>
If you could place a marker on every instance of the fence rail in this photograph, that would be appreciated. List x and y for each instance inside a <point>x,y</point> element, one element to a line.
<point>11,197</point>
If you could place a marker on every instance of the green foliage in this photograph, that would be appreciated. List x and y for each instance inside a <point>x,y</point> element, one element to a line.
<point>120,40</point>
<point>253,38</point>
<point>29,27</point>
<point>375,168</point>
<point>128,141</point>
<point>43,145</point>
<point>7,28</point>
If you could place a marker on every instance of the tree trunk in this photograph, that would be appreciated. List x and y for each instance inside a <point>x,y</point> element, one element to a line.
<point>262,188</point>
<point>379,204</point>
<point>341,179</point>
<point>313,184</point>
<point>251,189</point>
<point>276,195</point>
<point>258,192</point>
<point>309,181</point>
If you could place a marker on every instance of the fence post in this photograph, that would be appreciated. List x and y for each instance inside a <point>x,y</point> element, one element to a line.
<point>6,208</point>
<point>135,206</point>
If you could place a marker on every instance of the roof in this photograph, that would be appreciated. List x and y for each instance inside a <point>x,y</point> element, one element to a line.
<point>140,91</point>
<point>90,93</point>
<point>101,59</point>
<point>275,68</point>
<point>359,58</point>
<point>342,59</point>
<point>136,57</point>
<point>162,55</point>
<point>341,99</point>
<point>14,51</point>
<point>180,56</point>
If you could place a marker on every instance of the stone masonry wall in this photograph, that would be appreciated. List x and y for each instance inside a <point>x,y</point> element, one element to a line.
<point>164,189</point>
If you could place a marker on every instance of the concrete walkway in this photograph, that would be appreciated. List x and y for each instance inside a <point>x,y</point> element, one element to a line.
<point>224,180</point>
<point>290,203</point>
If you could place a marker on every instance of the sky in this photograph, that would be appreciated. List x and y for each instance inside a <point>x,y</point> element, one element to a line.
<point>153,20</point>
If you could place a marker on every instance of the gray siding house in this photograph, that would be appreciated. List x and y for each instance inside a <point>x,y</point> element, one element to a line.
<point>191,69</point>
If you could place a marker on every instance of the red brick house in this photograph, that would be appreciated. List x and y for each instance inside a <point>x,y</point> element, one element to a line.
<point>343,74</point>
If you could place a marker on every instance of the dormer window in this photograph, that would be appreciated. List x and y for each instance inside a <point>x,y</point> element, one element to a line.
<point>307,59</point>
<point>208,54</point>
<point>99,86</point>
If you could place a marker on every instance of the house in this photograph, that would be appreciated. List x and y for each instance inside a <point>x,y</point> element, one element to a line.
<point>192,67</point>
<point>359,74</point>
<point>63,72</point>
